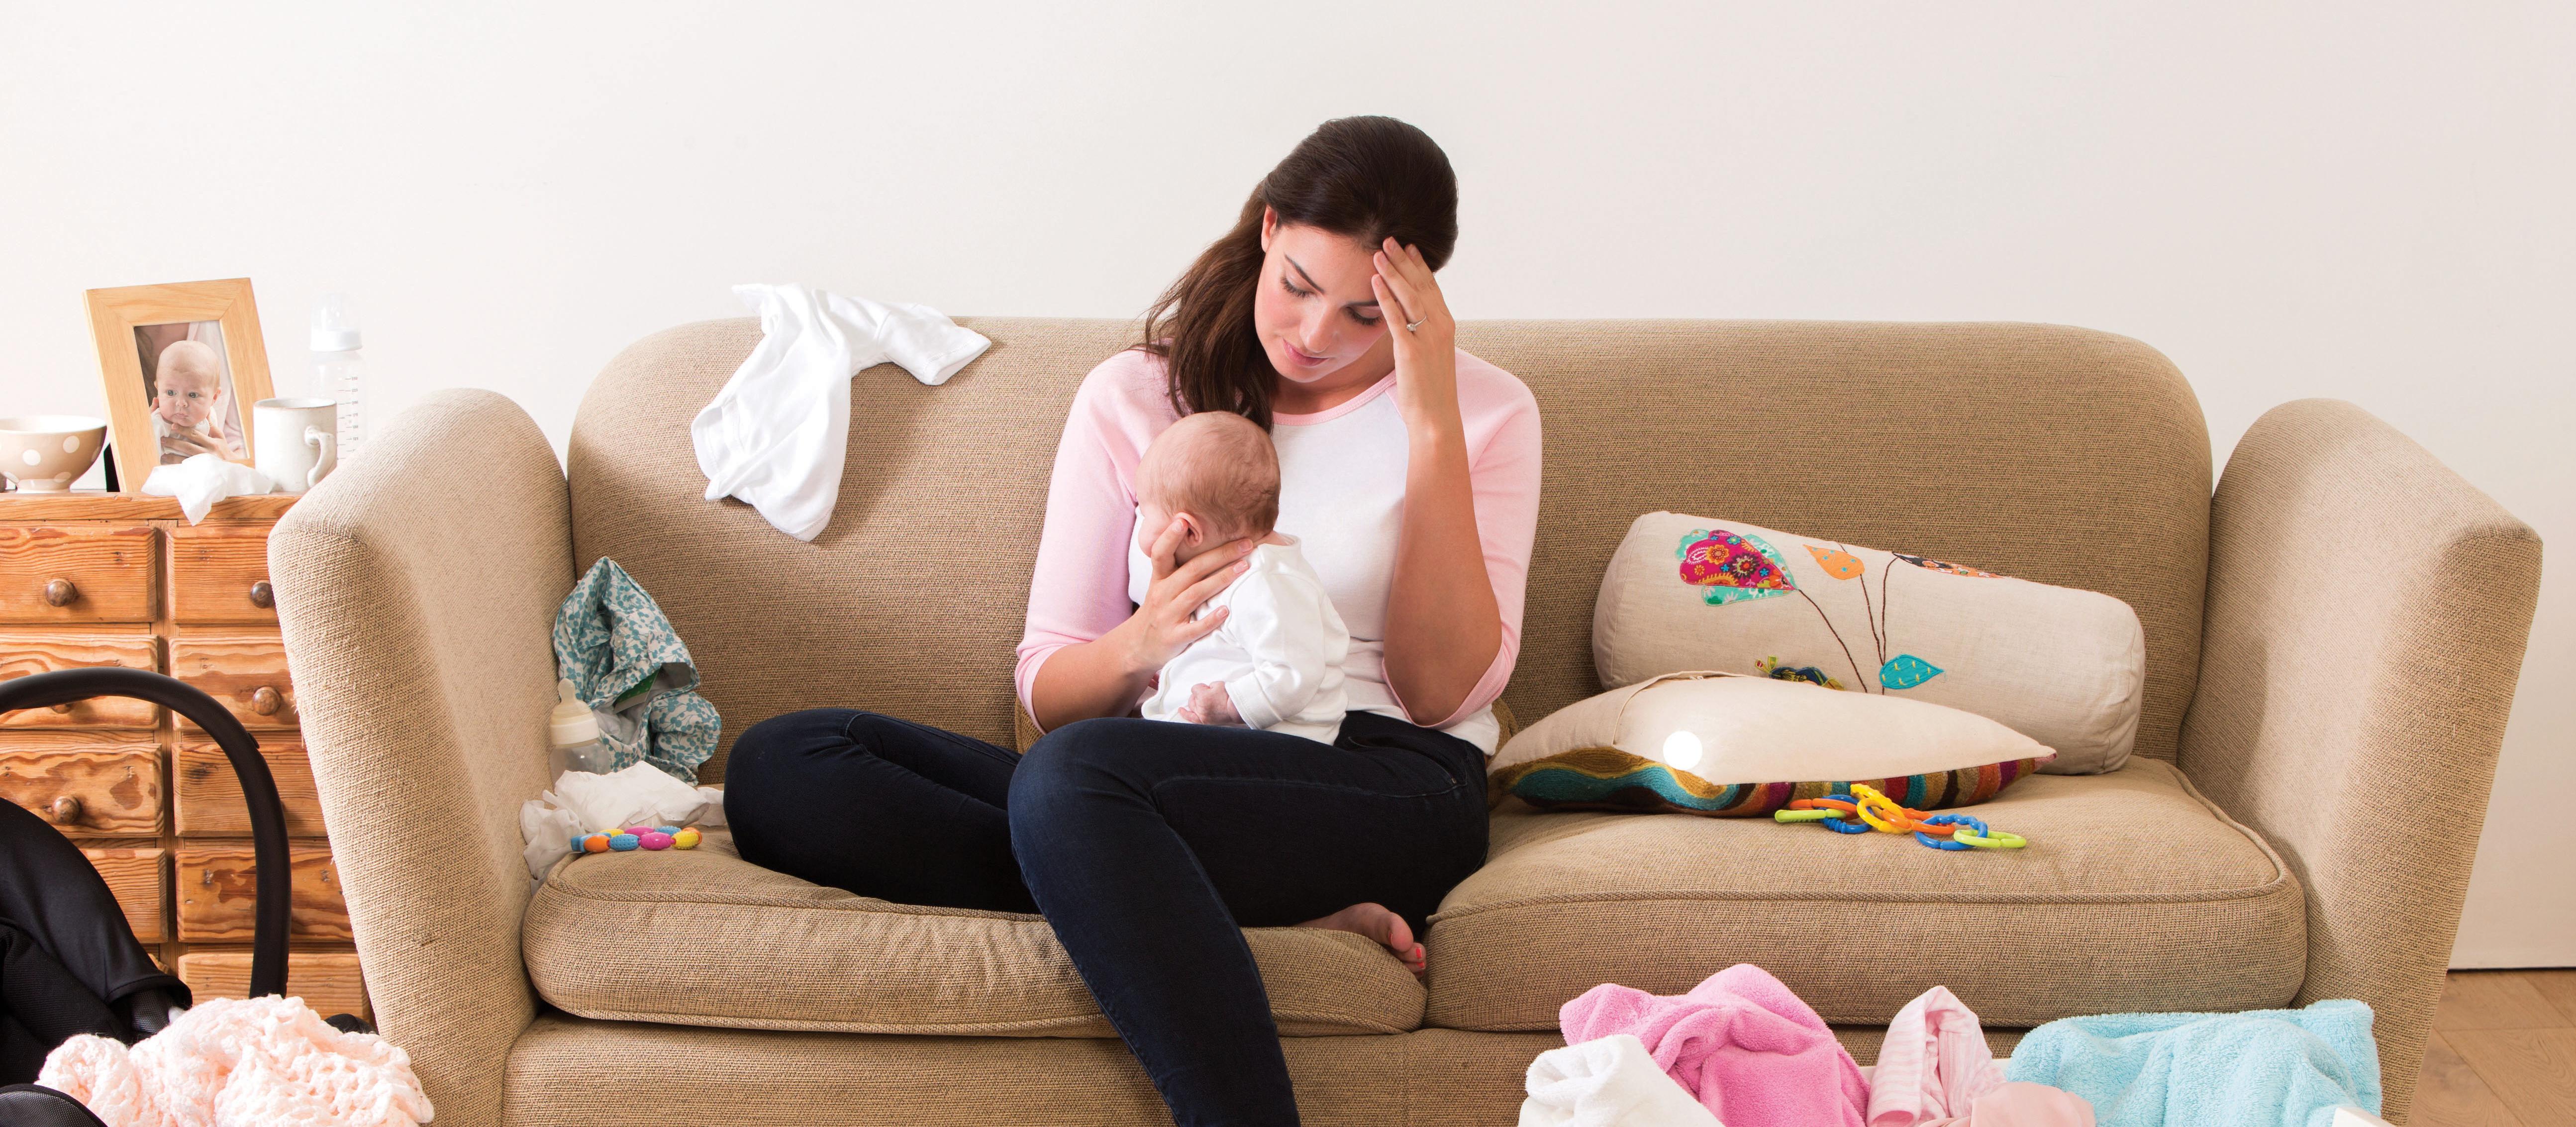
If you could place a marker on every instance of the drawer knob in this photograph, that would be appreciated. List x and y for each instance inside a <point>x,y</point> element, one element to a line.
<point>61,592</point>
<point>66,809</point>
<point>262,595</point>
<point>265,701</point>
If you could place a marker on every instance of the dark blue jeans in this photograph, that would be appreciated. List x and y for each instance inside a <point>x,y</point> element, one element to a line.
<point>1147,845</point>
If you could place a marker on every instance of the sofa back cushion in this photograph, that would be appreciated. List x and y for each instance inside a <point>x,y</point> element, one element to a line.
<point>2061,455</point>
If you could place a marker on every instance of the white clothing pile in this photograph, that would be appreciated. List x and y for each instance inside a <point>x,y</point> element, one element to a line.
<point>777,433</point>
<point>582,803</point>
<point>1279,654</point>
<point>1607,1082</point>
<point>258,1062</point>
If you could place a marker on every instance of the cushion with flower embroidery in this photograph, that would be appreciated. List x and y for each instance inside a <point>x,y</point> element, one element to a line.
<point>2062,666</point>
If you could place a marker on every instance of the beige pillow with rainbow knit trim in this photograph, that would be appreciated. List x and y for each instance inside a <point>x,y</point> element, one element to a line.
<point>2061,666</point>
<point>1733,745</point>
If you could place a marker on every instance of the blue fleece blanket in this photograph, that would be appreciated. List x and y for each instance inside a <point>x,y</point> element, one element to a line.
<point>2263,1068</point>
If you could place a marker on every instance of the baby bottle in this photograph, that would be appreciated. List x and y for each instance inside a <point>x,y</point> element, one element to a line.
<point>574,732</point>
<point>339,373</point>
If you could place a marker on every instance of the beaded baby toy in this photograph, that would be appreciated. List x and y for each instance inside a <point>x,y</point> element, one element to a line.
<point>1879,812</point>
<point>637,837</point>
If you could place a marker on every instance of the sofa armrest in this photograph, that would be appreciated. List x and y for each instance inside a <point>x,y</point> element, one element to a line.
<point>2367,616</point>
<point>417,589</point>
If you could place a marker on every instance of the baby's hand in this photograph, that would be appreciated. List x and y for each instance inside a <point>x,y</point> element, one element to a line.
<point>1209,704</point>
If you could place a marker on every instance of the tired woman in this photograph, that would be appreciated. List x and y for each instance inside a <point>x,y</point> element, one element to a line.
<point>1409,470</point>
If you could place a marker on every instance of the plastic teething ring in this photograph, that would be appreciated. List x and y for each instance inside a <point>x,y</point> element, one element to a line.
<point>1945,823</point>
<point>1882,813</point>
<point>1995,840</point>
<point>1800,815</point>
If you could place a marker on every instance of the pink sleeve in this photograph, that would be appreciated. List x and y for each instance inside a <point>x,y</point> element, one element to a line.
<point>1504,475</point>
<point>1079,589</point>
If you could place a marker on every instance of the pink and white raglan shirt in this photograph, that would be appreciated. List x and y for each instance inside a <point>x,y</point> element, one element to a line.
<point>1341,494</point>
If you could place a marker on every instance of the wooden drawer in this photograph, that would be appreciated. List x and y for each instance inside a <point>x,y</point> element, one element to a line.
<point>210,795</point>
<point>246,670</point>
<point>75,573</point>
<point>24,651</point>
<point>85,784</point>
<point>328,981</point>
<point>218,889</point>
<point>135,876</point>
<point>219,573</point>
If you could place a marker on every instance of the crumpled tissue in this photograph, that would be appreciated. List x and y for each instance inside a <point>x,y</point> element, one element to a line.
<point>203,480</point>
<point>583,802</point>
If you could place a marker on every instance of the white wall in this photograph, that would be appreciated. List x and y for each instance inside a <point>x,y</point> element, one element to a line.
<point>2363,200</point>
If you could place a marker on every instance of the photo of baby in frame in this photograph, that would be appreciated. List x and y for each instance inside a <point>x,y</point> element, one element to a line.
<point>182,364</point>
<point>194,408</point>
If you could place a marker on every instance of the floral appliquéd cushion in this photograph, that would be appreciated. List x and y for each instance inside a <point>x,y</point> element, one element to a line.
<point>2062,666</point>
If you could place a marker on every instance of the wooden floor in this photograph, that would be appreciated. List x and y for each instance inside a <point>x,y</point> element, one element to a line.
<point>2503,1052</point>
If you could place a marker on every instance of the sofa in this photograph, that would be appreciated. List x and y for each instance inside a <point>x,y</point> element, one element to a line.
<point>2332,641</point>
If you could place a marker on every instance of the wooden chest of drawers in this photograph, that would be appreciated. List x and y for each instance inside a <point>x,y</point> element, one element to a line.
<point>104,579</point>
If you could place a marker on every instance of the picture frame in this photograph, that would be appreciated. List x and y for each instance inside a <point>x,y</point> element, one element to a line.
<point>182,363</point>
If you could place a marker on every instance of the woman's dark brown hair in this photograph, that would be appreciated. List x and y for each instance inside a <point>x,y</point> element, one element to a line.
<point>1370,178</point>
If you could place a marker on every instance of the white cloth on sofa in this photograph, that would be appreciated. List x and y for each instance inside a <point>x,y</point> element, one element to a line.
<point>1607,1082</point>
<point>777,433</point>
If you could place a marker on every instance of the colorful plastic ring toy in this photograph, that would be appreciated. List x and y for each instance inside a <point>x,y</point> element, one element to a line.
<point>1995,840</point>
<point>1839,825</point>
<point>1949,824</point>
<point>1804,815</point>
<point>1883,814</point>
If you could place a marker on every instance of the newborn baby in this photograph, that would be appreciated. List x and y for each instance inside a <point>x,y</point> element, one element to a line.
<point>1277,662</point>
<point>188,383</point>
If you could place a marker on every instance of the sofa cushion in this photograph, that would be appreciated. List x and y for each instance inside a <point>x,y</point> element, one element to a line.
<point>703,937</point>
<point>2060,665</point>
<point>2135,894</point>
<point>1733,745</point>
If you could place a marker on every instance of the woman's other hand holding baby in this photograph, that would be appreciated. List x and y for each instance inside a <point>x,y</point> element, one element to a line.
<point>1211,704</point>
<point>1163,626</point>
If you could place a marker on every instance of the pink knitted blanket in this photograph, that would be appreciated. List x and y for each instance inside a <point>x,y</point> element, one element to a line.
<point>270,1062</point>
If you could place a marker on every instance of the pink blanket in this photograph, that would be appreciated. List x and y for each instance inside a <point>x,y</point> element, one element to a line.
<point>1747,1048</point>
<point>1934,1064</point>
<point>264,1062</point>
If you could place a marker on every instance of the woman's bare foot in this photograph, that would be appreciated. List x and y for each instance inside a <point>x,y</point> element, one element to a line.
<point>1378,923</point>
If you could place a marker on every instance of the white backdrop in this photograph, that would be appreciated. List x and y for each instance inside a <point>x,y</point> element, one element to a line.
<point>2361,200</point>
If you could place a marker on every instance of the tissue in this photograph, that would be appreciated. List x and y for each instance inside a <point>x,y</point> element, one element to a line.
<point>203,480</point>
<point>581,802</point>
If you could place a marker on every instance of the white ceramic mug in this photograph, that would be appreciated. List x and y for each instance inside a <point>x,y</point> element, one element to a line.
<point>296,441</point>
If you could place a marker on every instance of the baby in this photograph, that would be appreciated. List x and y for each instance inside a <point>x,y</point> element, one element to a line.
<point>188,386</point>
<point>1276,664</point>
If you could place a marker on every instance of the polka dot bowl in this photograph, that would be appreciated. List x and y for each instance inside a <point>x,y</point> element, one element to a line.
<point>47,453</point>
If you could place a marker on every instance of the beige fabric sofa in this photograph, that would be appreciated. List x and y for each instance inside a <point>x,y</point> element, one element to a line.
<point>2332,644</point>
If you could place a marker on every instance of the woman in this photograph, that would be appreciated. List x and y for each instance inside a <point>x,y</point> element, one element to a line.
<point>1409,470</point>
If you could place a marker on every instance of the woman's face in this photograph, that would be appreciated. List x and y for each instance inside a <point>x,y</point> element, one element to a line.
<point>1314,309</point>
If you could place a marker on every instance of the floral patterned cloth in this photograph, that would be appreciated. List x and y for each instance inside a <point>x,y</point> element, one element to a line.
<point>624,659</point>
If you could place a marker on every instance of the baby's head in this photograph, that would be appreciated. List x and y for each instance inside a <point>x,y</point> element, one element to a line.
<point>187,380</point>
<point>1218,472</point>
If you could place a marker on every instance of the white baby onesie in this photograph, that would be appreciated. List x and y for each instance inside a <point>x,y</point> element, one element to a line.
<point>1279,653</point>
